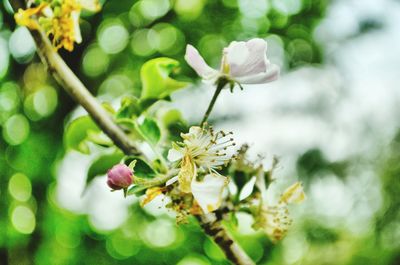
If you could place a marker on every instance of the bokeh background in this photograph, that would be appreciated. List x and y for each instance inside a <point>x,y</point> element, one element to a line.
<point>332,119</point>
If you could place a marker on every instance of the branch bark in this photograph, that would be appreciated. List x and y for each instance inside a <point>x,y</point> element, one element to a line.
<point>213,228</point>
<point>72,85</point>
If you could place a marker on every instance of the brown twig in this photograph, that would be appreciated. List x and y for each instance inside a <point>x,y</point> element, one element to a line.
<point>73,86</point>
<point>71,83</point>
<point>213,228</point>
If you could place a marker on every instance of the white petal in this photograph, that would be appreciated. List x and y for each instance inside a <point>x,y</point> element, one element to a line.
<point>247,58</point>
<point>91,5</point>
<point>174,155</point>
<point>247,189</point>
<point>270,75</point>
<point>171,181</point>
<point>194,59</point>
<point>48,12</point>
<point>232,188</point>
<point>77,31</point>
<point>195,130</point>
<point>208,192</point>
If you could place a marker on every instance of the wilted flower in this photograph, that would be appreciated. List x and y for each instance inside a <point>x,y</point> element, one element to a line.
<point>24,17</point>
<point>204,150</point>
<point>242,63</point>
<point>119,177</point>
<point>275,220</point>
<point>59,19</point>
<point>293,194</point>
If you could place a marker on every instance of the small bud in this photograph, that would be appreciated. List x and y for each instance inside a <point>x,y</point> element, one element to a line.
<point>119,177</point>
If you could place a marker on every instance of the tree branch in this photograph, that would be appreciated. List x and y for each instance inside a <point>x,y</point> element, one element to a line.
<point>213,228</point>
<point>71,84</point>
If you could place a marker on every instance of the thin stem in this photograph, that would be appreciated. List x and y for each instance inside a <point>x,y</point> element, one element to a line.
<point>218,90</point>
<point>159,180</point>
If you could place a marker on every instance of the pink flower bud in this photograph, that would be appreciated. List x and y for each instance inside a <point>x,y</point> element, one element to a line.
<point>119,177</point>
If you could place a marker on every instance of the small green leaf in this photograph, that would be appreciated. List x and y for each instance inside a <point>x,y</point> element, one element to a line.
<point>129,107</point>
<point>150,131</point>
<point>174,123</point>
<point>132,164</point>
<point>99,139</point>
<point>142,169</point>
<point>102,164</point>
<point>137,190</point>
<point>77,132</point>
<point>108,107</point>
<point>156,80</point>
<point>146,103</point>
<point>126,124</point>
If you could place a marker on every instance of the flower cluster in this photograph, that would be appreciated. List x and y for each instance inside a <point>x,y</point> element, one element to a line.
<point>59,19</point>
<point>196,177</point>
<point>200,155</point>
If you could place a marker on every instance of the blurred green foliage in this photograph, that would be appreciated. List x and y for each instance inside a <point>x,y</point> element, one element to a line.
<point>36,229</point>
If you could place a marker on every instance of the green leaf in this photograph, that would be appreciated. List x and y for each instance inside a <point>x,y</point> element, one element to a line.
<point>156,80</point>
<point>142,169</point>
<point>174,123</point>
<point>137,190</point>
<point>108,107</point>
<point>171,116</point>
<point>125,123</point>
<point>102,164</point>
<point>146,103</point>
<point>129,107</point>
<point>150,131</point>
<point>99,138</point>
<point>77,133</point>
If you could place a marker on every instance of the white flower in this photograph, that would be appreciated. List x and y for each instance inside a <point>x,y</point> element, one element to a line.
<point>206,148</point>
<point>275,220</point>
<point>205,151</point>
<point>60,19</point>
<point>242,62</point>
<point>293,194</point>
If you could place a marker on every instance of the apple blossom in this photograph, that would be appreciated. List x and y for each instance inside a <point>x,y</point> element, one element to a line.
<point>202,149</point>
<point>58,19</point>
<point>242,63</point>
<point>275,219</point>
